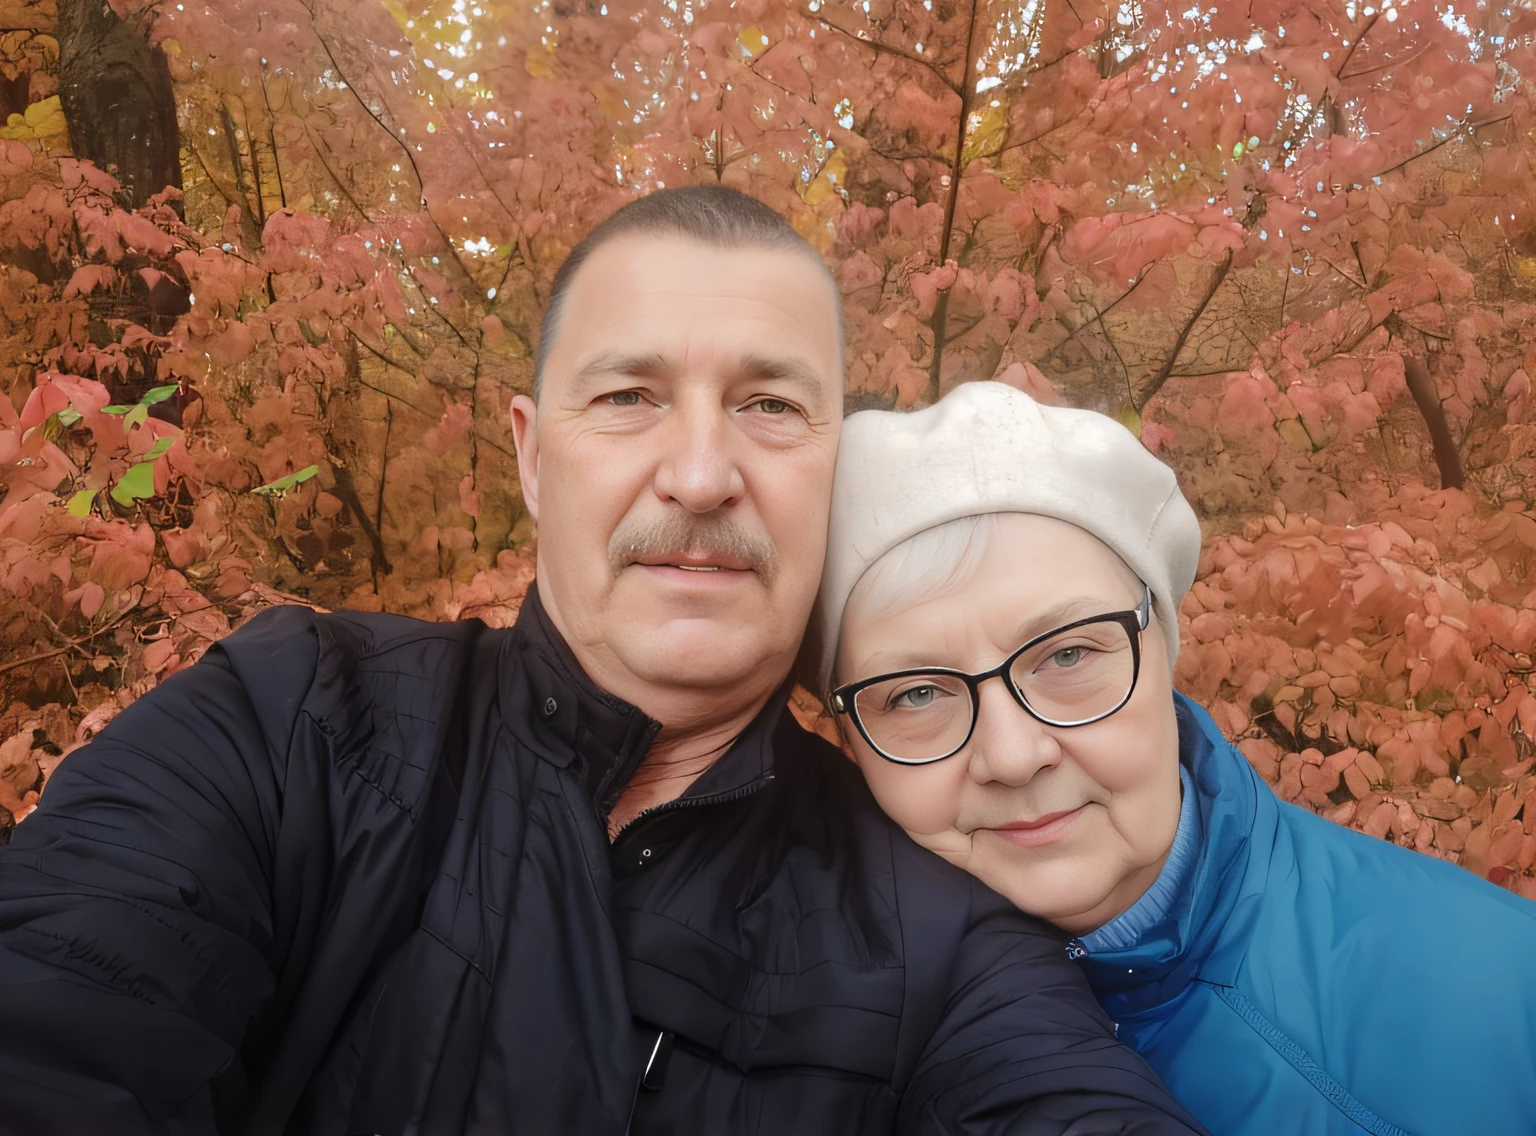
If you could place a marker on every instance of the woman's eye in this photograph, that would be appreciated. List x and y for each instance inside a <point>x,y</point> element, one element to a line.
<point>624,398</point>
<point>1067,657</point>
<point>772,405</point>
<point>917,698</point>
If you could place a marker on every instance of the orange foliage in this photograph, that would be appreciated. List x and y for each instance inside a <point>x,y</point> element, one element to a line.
<point>1290,243</point>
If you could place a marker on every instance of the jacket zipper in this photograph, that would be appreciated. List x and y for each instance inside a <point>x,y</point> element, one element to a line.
<point>689,802</point>
<point>629,830</point>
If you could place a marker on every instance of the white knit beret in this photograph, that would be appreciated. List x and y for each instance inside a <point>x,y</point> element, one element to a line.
<point>988,448</point>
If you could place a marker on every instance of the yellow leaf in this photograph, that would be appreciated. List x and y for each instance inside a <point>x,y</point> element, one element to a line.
<point>1130,419</point>
<point>397,10</point>
<point>753,42</point>
<point>826,183</point>
<point>80,503</point>
<point>43,119</point>
<point>984,132</point>
<point>1525,268</point>
<point>607,103</point>
<point>818,232</point>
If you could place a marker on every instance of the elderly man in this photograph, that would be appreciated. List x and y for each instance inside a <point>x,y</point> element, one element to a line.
<point>359,874</point>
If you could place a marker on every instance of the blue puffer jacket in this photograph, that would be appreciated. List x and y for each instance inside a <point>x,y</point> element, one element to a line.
<point>1291,976</point>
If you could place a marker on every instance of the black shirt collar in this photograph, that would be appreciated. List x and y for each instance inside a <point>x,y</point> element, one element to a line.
<point>551,705</point>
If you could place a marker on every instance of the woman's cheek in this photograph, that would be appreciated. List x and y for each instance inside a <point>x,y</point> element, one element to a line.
<point>1147,815</point>
<point>1129,754</point>
<point>923,799</point>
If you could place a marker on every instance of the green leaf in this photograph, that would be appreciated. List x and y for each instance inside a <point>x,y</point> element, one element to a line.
<point>158,394</point>
<point>160,446</point>
<point>283,484</point>
<point>136,415</point>
<point>80,504</point>
<point>116,409</point>
<point>68,416</point>
<point>138,482</point>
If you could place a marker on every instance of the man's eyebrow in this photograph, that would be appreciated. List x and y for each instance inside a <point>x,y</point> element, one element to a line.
<point>791,369</point>
<point>786,367</point>
<point>640,366</point>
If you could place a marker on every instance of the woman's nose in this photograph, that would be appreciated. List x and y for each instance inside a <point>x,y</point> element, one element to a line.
<point>1009,746</point>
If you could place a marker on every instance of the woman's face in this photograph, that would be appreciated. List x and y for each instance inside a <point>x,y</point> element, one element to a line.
<point>1071,824</point>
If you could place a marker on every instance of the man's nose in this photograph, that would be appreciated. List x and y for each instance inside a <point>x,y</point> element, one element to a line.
<point>1009,746</point>
<point>699,469</point>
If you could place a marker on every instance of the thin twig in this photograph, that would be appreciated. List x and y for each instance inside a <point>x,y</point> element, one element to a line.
<point>1178,344</point>
<point>71,644</point>
<point>378,505</point>
<point>1384,66</point>
<point>421,185</point>
<point>69,678</point>
<point>1305,128</point>
<point>35,658</point>
<point>1444,141</point>
<point>929,65</point>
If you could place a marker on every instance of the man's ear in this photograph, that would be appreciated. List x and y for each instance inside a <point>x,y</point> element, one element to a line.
<point>525,440</point>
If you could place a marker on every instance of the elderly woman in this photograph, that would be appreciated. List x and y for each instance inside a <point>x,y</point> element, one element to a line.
<point>997,631</point>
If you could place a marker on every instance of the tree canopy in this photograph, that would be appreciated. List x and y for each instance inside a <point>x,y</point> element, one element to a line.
<point>270,275</point>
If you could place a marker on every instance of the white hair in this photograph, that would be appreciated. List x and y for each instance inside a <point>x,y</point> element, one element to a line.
<point>922,566</point>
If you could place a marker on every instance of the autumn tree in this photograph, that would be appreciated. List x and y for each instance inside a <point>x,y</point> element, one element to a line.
<point>1292,245</point>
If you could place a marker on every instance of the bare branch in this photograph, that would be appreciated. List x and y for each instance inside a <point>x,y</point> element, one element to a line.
<point>941,308</point>
<point>875,45</point>
<point>1166,369</point>
<point>1444,141</point>
<point>421,190</point>
<point>1385,66</point>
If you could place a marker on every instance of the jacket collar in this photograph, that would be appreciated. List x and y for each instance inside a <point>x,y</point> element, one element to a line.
<point>1197,933</point>
<point>1167,891</point>
<point>553,708</point>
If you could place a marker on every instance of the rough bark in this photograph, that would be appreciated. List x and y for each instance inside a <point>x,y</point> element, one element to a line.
<point>117,96</point>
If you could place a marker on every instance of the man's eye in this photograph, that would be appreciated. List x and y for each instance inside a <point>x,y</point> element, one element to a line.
<point>624,398</point>
<point>772,406</point>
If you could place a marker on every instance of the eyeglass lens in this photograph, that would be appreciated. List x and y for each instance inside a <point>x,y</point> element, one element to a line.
<point>1070,677</point>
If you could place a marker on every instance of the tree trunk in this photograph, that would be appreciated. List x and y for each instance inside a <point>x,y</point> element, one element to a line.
<point>117,97</point>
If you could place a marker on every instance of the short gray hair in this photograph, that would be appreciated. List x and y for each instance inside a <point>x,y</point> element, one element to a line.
<point>922,566</point>
<point>713,214</point>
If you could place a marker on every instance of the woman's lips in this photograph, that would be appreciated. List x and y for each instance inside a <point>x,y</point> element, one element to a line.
<point>1047,829</point>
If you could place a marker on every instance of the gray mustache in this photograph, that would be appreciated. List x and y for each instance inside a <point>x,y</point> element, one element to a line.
<point>687,534</point>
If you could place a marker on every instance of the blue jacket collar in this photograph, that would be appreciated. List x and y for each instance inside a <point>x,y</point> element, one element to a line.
<point>1167,892</point>
<point>1183,930</point>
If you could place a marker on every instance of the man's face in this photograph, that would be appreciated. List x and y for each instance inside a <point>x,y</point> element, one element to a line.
<point>679,461</point>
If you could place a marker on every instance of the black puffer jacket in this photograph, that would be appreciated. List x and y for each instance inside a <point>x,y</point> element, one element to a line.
<point>349,874</point>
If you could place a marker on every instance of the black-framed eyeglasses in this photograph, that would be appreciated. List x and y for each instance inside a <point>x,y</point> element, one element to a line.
<point>1075,675</point>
